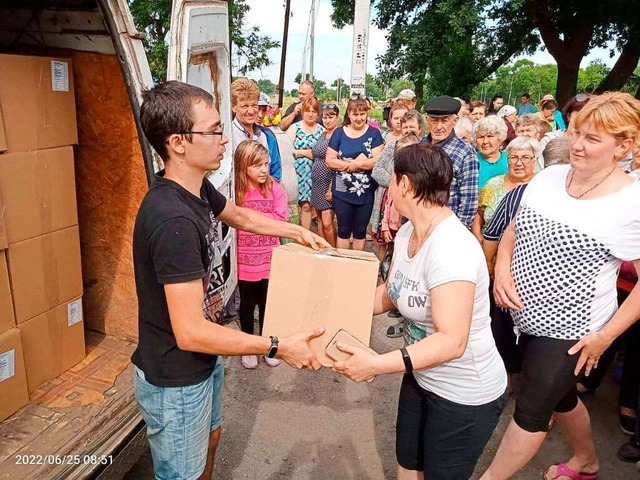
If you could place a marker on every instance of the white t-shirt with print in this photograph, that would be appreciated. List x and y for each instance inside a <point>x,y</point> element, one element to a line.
<point>567,255</point>
<point>451,253</point>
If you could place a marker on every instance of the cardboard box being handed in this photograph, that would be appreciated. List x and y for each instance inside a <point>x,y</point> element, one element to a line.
<point>330,288</point>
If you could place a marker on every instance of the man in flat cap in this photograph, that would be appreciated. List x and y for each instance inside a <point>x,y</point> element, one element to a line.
<point>442,115</point>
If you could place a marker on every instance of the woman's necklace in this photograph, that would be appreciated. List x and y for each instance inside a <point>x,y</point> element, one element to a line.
<point>426,235</point>
<point>589,189</point>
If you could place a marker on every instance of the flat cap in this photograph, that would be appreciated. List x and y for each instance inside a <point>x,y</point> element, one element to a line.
<point>442,106</point>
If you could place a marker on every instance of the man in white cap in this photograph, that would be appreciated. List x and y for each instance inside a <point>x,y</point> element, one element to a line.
<point>407,97</point>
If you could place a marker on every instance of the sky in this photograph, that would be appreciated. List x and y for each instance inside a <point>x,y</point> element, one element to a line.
<point>332,46</point>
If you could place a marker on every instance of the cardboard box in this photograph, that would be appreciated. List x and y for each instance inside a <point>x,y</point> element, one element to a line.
<point>53,343</point>
<point>333,289</point>
<point>3,233</point>
<point>37,102</point>
<point>45,271</point>
<point>13,379</point>
<point>7,320</point>
<point>3,136</point>
<point>39,192</point>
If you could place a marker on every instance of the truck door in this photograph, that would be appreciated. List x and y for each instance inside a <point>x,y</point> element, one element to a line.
<point>199,55</point>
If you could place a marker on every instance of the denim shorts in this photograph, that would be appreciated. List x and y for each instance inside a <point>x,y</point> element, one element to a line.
<point>179,421</point>
<point>439,437</point>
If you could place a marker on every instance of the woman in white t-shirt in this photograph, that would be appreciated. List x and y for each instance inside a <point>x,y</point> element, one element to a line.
<point>454,388</point>
<point>556,270</point>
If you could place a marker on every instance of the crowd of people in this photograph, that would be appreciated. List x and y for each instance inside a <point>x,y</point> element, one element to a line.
<point>503,228</point>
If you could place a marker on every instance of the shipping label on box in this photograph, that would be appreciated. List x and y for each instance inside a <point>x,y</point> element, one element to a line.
<point>37,101</point>
<point>51,345</point>
<point>334,289</point>
<point>13,379</point>
<point>45,271</point>
<point>38,189</point>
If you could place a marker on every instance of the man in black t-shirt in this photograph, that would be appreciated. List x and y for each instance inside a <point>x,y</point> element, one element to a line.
<point>177,252</point>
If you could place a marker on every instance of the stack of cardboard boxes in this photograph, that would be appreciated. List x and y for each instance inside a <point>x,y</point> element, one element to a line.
<point>41,324</point>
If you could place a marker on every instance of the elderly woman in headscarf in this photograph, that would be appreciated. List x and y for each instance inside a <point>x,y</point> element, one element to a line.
<point>508,114</point>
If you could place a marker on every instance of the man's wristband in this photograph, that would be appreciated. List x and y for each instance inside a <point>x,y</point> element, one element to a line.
<point>408,365</point>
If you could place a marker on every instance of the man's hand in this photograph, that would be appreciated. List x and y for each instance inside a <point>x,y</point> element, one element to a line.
<point>360,367</point>
<point>310,239</point>
<point>298,108</point>
<point>296,351</point>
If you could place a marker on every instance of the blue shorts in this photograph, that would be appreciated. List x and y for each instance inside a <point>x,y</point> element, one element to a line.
<point>179,421</point>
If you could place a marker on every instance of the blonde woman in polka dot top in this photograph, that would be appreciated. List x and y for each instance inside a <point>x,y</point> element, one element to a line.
<point>556,270</point>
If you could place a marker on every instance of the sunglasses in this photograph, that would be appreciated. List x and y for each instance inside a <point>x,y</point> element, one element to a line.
<point>329,106</point>
<point>582,97</point>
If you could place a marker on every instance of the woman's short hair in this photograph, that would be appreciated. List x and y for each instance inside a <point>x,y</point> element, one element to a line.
<point>409,139</point>
<point>244,89</point>
<point>549,104</point>
<point>463,126</point>
<point>311,104</point>
<point>616,113</point>
<point>413,114</point>
<point>524,143</point>
<point>394,108</point>
<point>330,107</point>
<point>491,124</point>
<point>477,104</point>
<point>429,169</point>
<point>535,120</point>
<point>556,152</point>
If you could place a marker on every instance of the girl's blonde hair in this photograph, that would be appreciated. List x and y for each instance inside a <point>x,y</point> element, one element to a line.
<point>616,113</point>
<point>248,154</point>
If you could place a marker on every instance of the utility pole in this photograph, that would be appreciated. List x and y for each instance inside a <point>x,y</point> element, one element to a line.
<point>360,46</point>
<point>312,37</point>
<point>283,57</point>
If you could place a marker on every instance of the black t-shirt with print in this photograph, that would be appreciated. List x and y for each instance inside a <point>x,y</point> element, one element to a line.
<point>176,239</point>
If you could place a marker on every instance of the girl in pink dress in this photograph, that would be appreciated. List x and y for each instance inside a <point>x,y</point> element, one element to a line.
<point>256,190</point>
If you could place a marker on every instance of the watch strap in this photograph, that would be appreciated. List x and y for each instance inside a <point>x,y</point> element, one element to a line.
<point>408,364</point>
<point>273,349</point>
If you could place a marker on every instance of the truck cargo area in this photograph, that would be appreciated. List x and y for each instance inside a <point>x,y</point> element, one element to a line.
<point>85,423</point>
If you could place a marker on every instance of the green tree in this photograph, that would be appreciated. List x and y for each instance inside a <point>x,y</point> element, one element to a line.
<point>266,86</point>
<point>373,88</point>
<point>248,47</point>
<point>449,46</point>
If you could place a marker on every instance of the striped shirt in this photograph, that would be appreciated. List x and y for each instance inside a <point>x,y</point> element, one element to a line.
<point>463,194</point>
<point>504,213</point>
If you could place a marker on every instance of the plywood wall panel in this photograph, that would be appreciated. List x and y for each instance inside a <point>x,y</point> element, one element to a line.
<point>111,183</point>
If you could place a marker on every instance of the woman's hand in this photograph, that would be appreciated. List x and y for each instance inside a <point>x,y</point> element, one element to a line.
<point>328,196</point>
<point>360,367</point>
<point>504,289</point>
<point>591,348</point>
<point>386,236</point>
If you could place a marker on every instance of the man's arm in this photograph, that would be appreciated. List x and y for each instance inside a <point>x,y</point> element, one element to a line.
<point>195,334</point>
<point>251,221</point>
<point>468,189</point>
<point>290,115</point>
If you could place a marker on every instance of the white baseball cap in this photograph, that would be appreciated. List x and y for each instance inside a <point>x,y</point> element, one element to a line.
<point>263,100</point>
<point>407,94</point>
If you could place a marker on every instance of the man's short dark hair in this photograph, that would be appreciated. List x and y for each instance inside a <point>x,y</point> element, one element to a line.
<point>526,95</point>
<point>166,110</point>
<point>429,169</point>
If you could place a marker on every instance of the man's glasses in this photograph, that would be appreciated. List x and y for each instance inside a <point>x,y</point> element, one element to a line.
<point>211,133</point>
<point>525,159</point>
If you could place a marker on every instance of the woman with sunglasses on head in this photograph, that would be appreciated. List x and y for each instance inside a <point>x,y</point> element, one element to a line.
<point>353,151</point>
<point>321,175</point>
<point>556,271</point>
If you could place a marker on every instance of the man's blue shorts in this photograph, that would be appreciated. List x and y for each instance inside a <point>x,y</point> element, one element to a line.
<point>179,421</point>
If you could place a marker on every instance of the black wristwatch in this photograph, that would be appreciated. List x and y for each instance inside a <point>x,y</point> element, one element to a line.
<point>273,349</point>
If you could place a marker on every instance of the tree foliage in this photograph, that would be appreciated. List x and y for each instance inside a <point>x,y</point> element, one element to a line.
<point>449,46</point>
<point>248,48</point>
